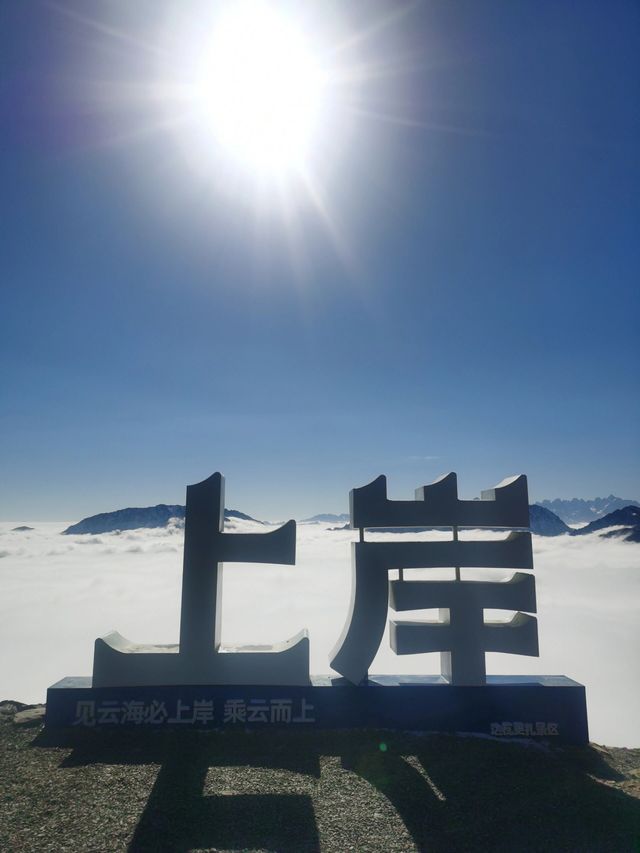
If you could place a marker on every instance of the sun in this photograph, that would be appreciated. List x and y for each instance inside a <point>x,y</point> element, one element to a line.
<point>249,107</point>
<point>261,88</point>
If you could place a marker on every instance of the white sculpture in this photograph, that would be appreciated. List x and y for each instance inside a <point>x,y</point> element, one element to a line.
<point>461,635</point>
<point>200,658</point>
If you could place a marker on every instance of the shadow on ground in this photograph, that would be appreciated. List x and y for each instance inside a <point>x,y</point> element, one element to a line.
<point>289,791</point>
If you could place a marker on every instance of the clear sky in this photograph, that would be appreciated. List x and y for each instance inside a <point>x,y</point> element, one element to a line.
<point>453,286</point>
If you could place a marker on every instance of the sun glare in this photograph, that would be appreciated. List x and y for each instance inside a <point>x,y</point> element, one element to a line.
<point>261,89</point>
<point>262,102</point>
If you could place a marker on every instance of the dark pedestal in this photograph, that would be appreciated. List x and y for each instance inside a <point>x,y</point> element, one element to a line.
<point>541,706</point>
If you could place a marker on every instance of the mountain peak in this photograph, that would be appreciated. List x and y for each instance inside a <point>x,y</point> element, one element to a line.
<point>326,518</point>
<point>133,518</point>
<point>580,510</point>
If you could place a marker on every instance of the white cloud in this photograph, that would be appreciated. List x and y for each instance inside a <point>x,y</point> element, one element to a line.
<point>61,592</point>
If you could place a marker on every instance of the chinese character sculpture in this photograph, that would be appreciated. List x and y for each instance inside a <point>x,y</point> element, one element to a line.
<point>199,683</point>
<point>461,635</point>
<point>200,658</point>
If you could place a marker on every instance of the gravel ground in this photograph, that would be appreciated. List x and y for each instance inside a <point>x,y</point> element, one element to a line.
<point>310,791</point>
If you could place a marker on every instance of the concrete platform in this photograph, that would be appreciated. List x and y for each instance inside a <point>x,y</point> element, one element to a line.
<point>543,706</point>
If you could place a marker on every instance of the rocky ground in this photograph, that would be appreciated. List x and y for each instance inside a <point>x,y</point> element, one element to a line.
<point>311,791</point>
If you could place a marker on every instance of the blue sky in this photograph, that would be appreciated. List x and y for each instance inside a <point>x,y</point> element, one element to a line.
<point>469,302</point>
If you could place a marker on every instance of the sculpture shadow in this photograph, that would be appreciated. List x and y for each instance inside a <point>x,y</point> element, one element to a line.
<point>180,814</point>
<point>525,797</point>
<point>451,793</point>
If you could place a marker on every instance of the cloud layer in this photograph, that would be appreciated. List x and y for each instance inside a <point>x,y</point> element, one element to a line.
<point>61,592</point>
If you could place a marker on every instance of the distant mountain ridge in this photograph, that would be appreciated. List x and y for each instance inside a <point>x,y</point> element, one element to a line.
<point>543,522</point>
<point>326,518</point>
<point>134,518</point>
<point>579,510</point>
<point>626,519</point>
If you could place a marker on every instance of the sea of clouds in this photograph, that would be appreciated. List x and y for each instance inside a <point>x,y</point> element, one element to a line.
<point>61,592</point>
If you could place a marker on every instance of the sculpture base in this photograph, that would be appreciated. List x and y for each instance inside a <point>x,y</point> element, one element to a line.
<point>541,706</point>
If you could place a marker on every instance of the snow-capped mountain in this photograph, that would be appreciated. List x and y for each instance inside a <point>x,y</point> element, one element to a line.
<point>543,522</point>
<point>578,510</point>
<point>133,518</point>
<point>327,518</point>
<point>623,523</point>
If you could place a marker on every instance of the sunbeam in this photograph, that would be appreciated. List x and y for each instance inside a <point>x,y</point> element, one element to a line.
<point>260,101</point>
